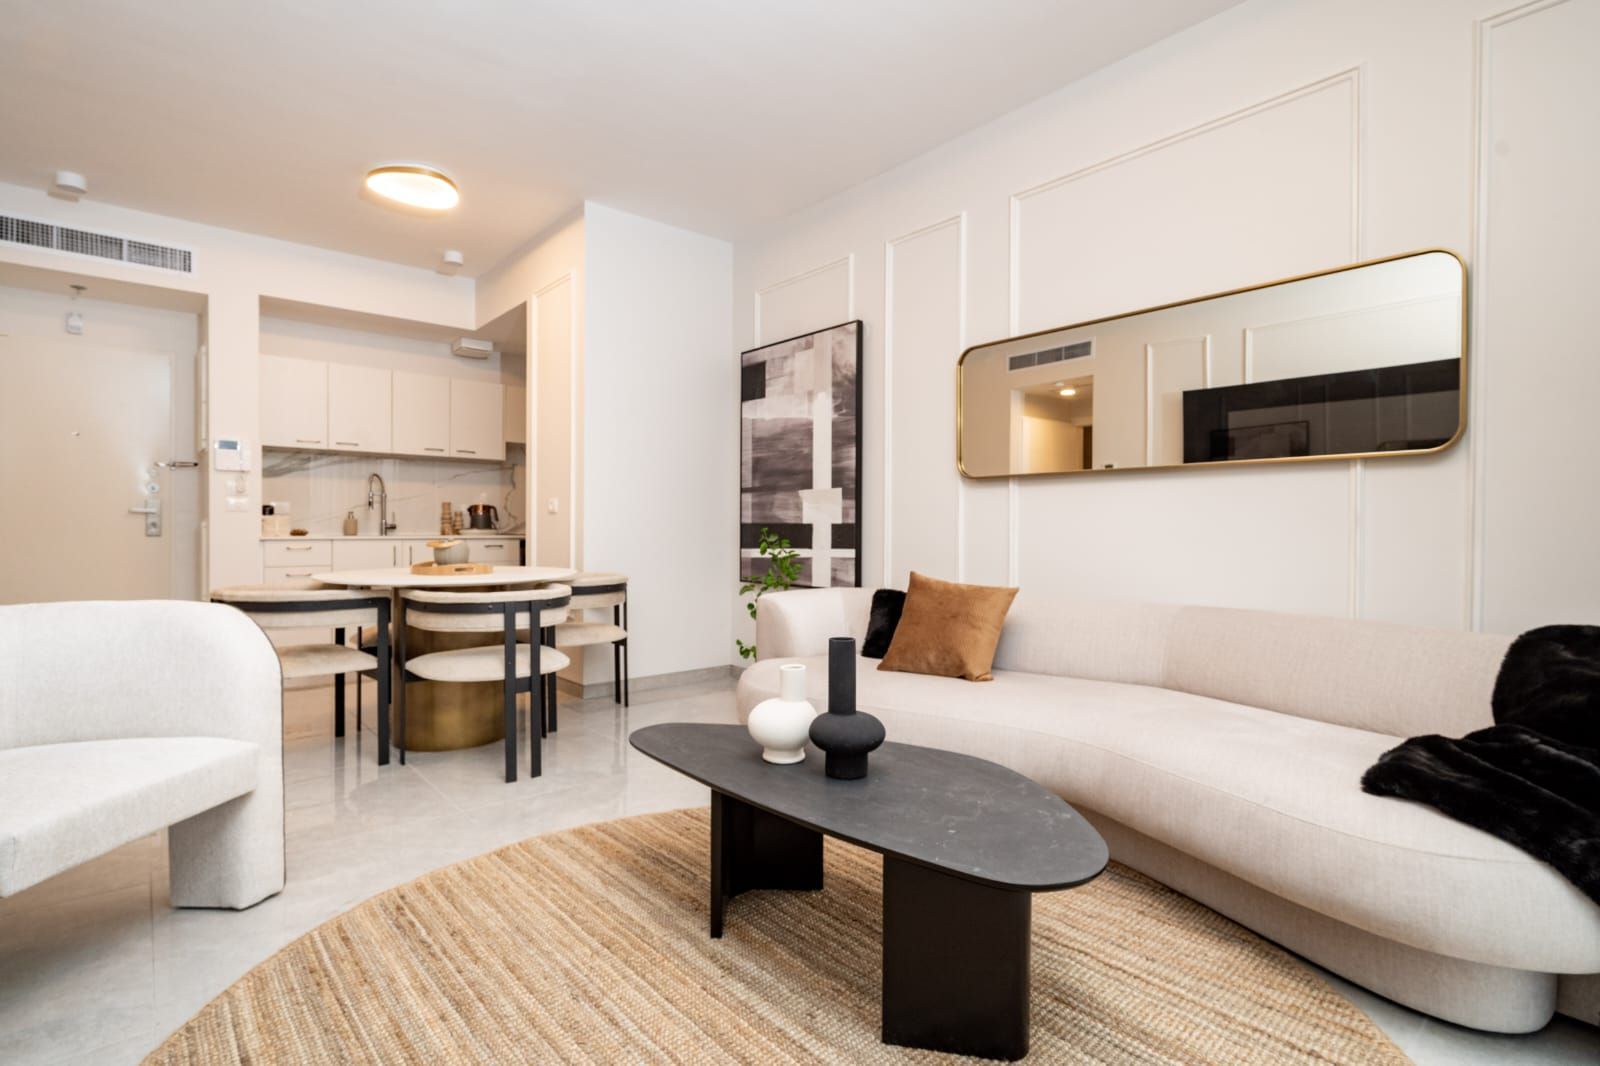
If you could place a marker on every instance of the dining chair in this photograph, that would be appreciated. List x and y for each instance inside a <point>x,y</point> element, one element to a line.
<point>307,605</point>
<point>594,592</point>
<point>513,663</point>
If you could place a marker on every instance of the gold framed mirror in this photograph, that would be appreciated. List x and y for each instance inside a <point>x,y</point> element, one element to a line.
<point>1362,361</point>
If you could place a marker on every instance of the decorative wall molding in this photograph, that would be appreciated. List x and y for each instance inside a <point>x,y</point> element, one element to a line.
<point>959,221</point>
<point>848,261</point>
<point>1350,77</point>
<point>1479,368</point>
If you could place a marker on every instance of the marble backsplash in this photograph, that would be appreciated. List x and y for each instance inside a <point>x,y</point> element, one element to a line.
<point>321,489</point>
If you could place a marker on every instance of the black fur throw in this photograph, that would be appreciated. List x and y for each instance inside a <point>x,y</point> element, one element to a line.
<point>1533,778</point>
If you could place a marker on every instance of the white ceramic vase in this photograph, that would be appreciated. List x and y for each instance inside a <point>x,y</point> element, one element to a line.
<point>782,724</point>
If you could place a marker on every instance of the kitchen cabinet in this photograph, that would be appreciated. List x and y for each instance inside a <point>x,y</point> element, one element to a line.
<point>500,552</point>
<point>300,554</point>
<point>477,414</point>
<point>365,554</point>
<point>421,414</point>
<point>358,408</point>
<point>294,402</point>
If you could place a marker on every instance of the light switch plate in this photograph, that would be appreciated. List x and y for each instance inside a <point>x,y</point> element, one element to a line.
<point>553,506</point>
<point>238,503</point>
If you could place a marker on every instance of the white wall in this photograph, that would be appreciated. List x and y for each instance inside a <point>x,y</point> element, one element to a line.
<point>660,400</point>
<point>548,276</point>
<point>233,271</point>
<point>1281,137</point>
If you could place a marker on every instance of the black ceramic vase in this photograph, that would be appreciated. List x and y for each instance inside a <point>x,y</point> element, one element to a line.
<point>844,734</point>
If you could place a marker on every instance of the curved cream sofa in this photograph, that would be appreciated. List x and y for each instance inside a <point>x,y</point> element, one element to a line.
<point>1221,752</point>
<point>118,719</point>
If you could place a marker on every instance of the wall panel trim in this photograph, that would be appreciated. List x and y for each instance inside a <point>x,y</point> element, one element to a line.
<point>848,261</point>
<point>958,220</point>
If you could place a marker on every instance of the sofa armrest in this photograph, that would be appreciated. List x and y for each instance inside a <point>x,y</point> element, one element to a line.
<point>796,624</point>
<point>136,668</point>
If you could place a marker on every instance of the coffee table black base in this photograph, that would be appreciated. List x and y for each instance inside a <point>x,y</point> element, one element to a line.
<point>955,963</point>
<point>752,849</point>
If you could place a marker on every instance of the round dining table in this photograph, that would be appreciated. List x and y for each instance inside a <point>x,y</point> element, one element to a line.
<point>446,716</point>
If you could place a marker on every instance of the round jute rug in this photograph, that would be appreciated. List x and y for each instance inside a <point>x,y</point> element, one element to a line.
<point>590,945</point>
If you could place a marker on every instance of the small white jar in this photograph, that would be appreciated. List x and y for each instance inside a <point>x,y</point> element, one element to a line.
<point>782,724</point>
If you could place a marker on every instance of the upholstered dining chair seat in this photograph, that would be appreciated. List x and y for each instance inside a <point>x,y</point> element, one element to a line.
<point>487,663</point>
<point>583,634</point>
<point>320,660</point>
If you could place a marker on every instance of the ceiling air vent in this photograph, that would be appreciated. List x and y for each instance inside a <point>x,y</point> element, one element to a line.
<point>99,245</point>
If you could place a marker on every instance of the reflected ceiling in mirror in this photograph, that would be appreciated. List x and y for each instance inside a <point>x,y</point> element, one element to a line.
<point>1359,362</point>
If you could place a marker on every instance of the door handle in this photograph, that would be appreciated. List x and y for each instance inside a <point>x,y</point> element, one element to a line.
<point>177,464</point>
<point>152,515</point>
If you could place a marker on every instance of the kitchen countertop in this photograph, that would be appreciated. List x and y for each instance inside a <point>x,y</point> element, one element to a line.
<point>465,534</point>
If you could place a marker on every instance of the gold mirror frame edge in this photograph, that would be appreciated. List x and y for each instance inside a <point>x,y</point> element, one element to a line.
<point>1461,419</point>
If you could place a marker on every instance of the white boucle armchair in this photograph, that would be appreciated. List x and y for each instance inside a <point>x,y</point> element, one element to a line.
<point>118,719</point>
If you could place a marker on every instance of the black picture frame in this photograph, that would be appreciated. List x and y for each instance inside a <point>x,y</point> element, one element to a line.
<point>778,433</point>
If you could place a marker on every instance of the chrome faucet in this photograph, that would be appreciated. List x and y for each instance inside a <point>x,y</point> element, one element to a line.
<point>382,496</point>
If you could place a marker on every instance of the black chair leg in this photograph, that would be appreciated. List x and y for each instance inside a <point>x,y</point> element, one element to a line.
<point>627,687</point>
<point>616,673</point>
<point>509,688</point>
<point>400,676</point>
<point>338,692</point>
<point>385,679</point>
<point>535,725</point>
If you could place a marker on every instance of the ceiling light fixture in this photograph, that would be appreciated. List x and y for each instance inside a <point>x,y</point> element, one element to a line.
<point>1068,391</point>
<point>414,185</point>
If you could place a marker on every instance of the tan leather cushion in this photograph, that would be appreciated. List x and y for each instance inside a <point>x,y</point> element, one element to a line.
<point>948,630</point>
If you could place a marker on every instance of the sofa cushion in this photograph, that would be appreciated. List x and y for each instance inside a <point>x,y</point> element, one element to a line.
<point>948,629</point>
<point>63,804</point>
<point>1271,798</point>
<point>1402,680</point>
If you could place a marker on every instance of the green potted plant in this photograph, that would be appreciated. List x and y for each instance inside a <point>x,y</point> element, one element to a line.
<point>783,570</point>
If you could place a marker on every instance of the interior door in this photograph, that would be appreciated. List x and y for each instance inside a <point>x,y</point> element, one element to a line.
<point>82,427</point>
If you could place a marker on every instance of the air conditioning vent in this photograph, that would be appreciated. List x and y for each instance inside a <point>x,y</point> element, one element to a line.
<point>99,245</point>
<point>1051,355</point>
<point>82,242</point>
<point>24,231</point>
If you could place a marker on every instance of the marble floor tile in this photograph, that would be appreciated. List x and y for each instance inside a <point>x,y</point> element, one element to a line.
<point>97,968</point>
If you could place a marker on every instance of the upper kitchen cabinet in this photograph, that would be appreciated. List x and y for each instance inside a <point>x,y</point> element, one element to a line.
<point>358,408</point>
<point>294,402</point>
<point>421,414</point>
<point>477,416</point>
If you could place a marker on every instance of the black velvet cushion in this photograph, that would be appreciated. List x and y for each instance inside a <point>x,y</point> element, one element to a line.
<point>886,607</point>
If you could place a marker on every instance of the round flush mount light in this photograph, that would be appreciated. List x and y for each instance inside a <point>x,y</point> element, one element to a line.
<point>69,185</point>
<point>414,185</point>
<point>1068,391</point>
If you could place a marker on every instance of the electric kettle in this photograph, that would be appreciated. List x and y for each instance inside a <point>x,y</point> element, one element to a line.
<point>483,516</point>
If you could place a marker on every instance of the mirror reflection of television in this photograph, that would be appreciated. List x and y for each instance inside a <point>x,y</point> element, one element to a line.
<point>1275,441</point>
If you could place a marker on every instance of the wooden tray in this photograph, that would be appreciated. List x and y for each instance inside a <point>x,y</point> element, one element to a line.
<point>451,569</point>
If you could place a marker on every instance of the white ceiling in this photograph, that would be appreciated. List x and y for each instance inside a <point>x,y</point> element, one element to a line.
<point>717,115</point>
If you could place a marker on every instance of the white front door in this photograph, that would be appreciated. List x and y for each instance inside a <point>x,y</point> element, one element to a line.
<point>82,427</point>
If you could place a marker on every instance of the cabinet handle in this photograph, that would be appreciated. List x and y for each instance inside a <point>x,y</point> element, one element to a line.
<point>292,548</point>
<point>348,443</point>
<point>466,451</point>
<point>433,449</point>
<point>291,573</point>
<point>500,546</point>
<point>303,440</point>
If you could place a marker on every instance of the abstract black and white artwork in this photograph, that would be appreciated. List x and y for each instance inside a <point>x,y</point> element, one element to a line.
<point>800,453</point>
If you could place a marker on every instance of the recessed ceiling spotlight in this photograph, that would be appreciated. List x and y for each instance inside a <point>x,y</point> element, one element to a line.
<point>414,185</point>
<point>1068,391</point>
<point>69,185</point>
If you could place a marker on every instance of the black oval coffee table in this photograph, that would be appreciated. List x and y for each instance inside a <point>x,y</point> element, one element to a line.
<point>965,844</point>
